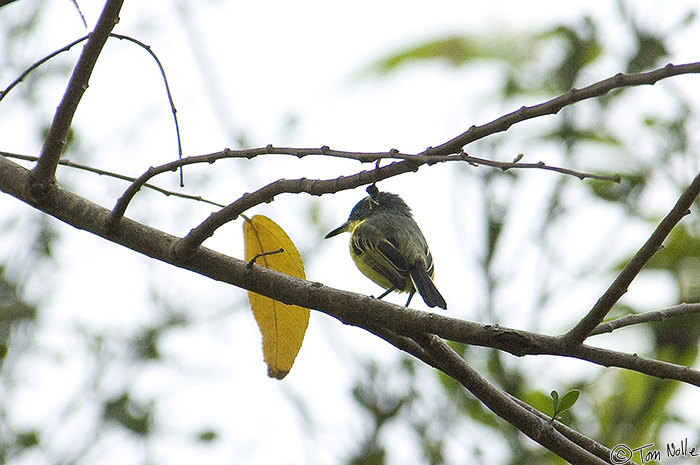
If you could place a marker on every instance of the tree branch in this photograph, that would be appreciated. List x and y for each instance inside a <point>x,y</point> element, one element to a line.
<point>639,318</point>
<point>521,343</point>
<point>408,329</point>
<point>25,73</point>
<point>444,152</point>
<point>573,444</point>
<point>553,106</point>
<point>268,193</point>
<point>537,429</point>
<point>44,173</point>
<point>619,286</point>
<point>348,307</point>
<point>309,186</point>
<point>111,174</point>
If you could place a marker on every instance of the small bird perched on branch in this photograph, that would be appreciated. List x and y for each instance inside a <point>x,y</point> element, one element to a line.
<point>389,248</point>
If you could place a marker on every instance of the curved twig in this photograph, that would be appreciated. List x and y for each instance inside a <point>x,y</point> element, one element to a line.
<point>67,47</point>
<point>167,90</point>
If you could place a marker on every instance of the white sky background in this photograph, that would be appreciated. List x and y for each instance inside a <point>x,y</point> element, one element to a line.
<point>272,61</point>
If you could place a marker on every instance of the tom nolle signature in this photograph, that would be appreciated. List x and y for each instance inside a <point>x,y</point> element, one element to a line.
<point>622,453</point>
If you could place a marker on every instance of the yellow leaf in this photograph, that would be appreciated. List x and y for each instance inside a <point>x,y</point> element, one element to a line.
<point>282,326</point>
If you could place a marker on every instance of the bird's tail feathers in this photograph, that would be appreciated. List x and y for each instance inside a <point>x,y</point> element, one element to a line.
<point>426,288</point>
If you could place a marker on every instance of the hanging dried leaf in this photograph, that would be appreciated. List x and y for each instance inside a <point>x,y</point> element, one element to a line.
<point>282,326</point>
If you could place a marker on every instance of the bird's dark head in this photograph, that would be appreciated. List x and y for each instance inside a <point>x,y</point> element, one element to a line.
<point>381,202</point>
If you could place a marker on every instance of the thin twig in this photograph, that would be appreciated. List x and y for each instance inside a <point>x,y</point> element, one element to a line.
<point>101,172</point>
<point>393,154</point>
<point>310,186</point>
<point>372,157</point>
<point>35,65</point>
<point>252,261</point>
<point>80,12</point>
<point>167,90</point>
<point>505,166</point>
<point>171,102</point>
<point>646,317</point>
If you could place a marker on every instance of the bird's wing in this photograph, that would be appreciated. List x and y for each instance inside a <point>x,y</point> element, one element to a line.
<point>380,254</point>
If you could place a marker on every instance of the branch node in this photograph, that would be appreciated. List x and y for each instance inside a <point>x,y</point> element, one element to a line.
<point>251,262</point>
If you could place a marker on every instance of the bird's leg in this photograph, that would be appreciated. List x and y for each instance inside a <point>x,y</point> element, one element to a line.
<point>410,296</point>
<point>386,293</point>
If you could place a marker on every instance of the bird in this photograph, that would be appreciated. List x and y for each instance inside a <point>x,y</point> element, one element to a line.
<point>389,248</point>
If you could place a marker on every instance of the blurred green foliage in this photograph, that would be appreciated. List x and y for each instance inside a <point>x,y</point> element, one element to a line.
<point>129,414</point>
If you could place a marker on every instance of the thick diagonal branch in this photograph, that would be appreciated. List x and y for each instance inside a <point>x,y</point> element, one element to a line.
<point>619,287</point>
<point>537,429</point>
<point>44,173</point>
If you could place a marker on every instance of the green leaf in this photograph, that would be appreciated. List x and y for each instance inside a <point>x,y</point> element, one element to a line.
<point>681,244</point>
<point>28,439</point>
<point>651,51</point>
<point>207,436</point>
<point>569,400</point>
<point>555,402</point>
<point>129,414</point>
<point>564,403</point>
<point>627,190</point>
<point>539,400</point>
<point>457,50</point>
<point>581,47</point>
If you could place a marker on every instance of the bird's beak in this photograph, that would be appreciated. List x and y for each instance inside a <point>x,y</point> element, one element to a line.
<point>341,229</point>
